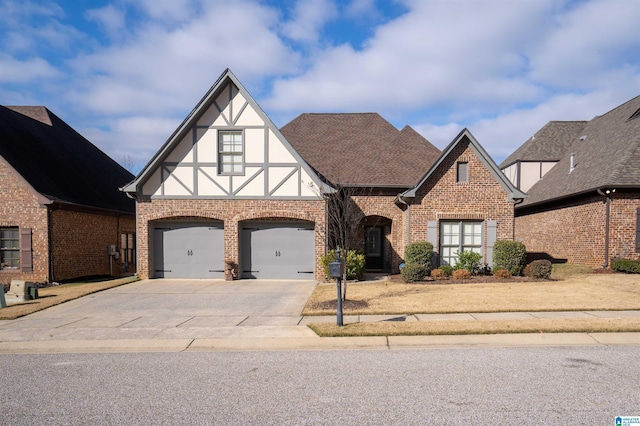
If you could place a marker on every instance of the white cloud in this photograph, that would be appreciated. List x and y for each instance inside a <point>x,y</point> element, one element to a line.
<point>23,71</point>
<point>159,70</point>
<point>112,19</point>
<point>308,18</point>
<point>587,42</point>
<point>439,51</point>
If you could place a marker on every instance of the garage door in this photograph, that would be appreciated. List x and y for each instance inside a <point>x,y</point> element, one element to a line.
<point>189,250</point>
<point>278,250</point>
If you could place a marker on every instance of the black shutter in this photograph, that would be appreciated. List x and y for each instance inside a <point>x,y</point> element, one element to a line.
<point>26,254</point>
<point>638,231</point>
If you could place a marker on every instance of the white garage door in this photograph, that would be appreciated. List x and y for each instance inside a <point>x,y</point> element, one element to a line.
<point>278,250</point>
<point>189,250</point>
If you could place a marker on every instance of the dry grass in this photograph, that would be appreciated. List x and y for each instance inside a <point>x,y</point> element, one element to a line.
<point>574,289</point>
<point>569,325</point>
<point>577,293</point>
<point>51,296</point>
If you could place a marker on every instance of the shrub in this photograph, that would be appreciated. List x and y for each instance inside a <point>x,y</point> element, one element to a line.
<point>354,263</point>
<point>540,269</point>
<point>627,266</point>
<point>469,260</point>
<point>509,255</point>
<point>461,274</point>
<point>501,273</point>
<point>419,252</point>
<point>447,269</point>
<point>413,272</point>
<point>438,274</point>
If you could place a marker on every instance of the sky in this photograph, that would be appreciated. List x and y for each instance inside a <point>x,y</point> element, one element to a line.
<point>125,73</point>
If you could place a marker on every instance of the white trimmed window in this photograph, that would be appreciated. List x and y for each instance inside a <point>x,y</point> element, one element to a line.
<point>9,248</point>
<point>230,152</point>
<point>459,236</point>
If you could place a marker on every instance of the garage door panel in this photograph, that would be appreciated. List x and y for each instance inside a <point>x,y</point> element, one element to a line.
<point>189,250</point>
<point>282,250</point>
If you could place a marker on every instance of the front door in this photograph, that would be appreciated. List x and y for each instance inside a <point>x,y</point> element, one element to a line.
<point>374,247</point>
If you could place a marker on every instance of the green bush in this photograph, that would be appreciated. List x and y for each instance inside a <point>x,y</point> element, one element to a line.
<point>540,269</point>
<point>469,260</point>
<point>509,255</point>
<point>413,272</point>
<point>354,263</point>
<point>419,252</point>
<point>447,269</point>
<point>627,266</point>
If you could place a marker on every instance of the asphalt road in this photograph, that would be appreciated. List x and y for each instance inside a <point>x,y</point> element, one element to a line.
<point>476,386</point>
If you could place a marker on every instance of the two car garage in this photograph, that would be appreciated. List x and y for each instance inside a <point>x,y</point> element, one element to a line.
<point>268,249</point>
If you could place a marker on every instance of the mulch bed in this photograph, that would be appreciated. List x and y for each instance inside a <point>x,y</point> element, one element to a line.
<point>476,279</point>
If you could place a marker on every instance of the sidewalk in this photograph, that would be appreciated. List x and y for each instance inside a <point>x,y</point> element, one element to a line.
<point>263,332</point>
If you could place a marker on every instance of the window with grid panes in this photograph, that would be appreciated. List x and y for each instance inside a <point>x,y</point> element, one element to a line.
<point>459,236</point>
<point>9,248</point>
<point>127,248</point>
<point>230,153</point>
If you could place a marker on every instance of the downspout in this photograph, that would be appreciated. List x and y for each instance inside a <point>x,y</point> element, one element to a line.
<point>606,226</point>
<point>516,201</point>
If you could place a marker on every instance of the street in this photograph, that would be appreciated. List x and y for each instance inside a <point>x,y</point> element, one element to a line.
<point>541,386</point>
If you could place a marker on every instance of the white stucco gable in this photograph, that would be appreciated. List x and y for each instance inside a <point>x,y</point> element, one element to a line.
<point>227,148</point>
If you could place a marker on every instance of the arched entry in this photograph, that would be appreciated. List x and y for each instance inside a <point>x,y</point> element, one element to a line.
<point>377,247</point>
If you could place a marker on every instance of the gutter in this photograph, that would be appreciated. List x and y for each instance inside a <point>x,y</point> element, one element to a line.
<point>607,196</point>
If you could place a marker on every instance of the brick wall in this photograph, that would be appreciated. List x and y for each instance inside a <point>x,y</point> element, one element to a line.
<point>19,207</point>
<point>575,231</point>
<point>482,198</point>
<point>231,212</point>
<point>80,240</point>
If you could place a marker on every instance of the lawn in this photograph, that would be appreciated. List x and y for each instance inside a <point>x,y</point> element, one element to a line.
<point>580,291</point>
<point>51,296</point>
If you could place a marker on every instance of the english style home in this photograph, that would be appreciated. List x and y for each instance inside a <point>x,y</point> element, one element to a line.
<point>582,179</point>
<point>231,194</point>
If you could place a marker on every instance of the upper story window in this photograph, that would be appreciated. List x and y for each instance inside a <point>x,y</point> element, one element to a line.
<point>9,248</point>
<point>462,172</point>
<point>230,152</point>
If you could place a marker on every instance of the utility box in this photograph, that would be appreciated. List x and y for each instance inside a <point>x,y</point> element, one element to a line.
<point>336,269</point>
<point>19,291</point>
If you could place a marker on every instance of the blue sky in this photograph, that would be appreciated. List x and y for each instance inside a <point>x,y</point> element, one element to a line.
<point>125,73</point>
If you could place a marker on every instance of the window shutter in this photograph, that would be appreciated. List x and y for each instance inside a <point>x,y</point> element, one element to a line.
<point>432,237</point>
<point>26,254</point>
<point>638,231</point>
<point>492,234</point>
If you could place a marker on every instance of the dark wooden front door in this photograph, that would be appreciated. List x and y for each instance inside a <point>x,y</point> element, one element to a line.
<point>374,247</point>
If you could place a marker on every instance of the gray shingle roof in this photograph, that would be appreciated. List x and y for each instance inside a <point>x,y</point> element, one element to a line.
<point>550,143</point>
<point>58,162</point>
<point>608,157</point>
<point>360,149</point>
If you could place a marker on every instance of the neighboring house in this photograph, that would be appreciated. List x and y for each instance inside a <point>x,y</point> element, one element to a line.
<point>228,190</point>
<point>586,207</point>
<point>60,204</point>
<point>529,163</point>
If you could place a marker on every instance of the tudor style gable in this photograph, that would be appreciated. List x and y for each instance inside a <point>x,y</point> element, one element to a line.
<point>229,149</point>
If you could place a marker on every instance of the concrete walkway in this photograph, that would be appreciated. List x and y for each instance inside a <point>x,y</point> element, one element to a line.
<point>167,315</point>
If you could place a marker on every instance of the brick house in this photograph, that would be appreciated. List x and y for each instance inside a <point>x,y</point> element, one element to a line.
<point>230,190</point>
<point>583,205</point>
<point>60,206</point>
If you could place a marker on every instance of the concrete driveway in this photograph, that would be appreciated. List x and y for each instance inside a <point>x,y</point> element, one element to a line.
<point>172,309</point>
